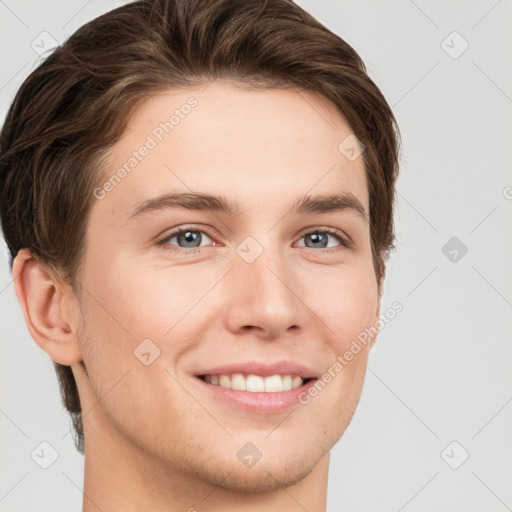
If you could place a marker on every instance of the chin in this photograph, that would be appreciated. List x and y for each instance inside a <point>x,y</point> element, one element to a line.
<point>256,480</point>
<point>266,475</point>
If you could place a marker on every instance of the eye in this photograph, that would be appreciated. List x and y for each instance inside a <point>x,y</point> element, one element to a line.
<point>190,237</point>
<point>318,238</point>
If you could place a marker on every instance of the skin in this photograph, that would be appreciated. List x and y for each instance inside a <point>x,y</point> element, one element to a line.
<point>155,440</point>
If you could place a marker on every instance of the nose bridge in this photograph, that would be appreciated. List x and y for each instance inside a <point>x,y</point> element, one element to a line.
<point>262,288</point>
<point>263,256</point>
<point>269,268</point>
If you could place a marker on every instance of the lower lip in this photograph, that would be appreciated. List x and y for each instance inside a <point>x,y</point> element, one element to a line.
<point>264,403</point>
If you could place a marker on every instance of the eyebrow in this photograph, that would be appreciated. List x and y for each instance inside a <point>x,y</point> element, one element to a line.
<point>345,201</point>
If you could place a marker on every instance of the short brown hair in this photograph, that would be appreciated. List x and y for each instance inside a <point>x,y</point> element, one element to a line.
<point>76,105</point>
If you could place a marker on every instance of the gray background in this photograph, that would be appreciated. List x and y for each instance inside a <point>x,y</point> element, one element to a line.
<point>441,370</point>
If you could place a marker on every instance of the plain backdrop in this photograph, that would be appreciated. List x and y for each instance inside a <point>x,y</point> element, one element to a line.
<point>433,429</point>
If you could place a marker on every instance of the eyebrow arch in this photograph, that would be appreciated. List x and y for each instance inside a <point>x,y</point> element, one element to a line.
<point>345,201</point>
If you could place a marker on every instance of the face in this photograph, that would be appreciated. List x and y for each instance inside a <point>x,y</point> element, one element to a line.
<point>269,288</point>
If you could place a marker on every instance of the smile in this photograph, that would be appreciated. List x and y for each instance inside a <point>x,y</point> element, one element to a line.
<point>256,394</point>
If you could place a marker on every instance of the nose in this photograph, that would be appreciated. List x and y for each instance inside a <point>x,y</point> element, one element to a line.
<point>262,297</point>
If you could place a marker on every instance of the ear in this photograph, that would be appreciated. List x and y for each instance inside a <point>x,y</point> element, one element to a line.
<point>45,308</point>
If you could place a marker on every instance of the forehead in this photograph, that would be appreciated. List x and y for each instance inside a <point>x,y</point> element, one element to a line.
<point>256,145</point>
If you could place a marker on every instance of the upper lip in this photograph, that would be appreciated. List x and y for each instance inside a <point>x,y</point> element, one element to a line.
<point>263,369</point>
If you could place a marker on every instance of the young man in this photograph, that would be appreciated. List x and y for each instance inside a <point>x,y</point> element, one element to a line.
<point>198,200</point>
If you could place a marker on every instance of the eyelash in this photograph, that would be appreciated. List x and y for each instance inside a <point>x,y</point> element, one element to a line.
<point>345,242</point>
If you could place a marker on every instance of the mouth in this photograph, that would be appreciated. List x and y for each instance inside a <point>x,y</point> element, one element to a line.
<point>272,394</point>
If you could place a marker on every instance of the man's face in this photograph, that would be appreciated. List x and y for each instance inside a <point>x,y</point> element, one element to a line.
<point>264,286</point>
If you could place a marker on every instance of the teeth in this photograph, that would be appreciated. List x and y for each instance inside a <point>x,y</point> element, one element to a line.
<point>296,382</point>
<point>238,382</point>
<point>225,381</point>
<point>255,383</point>
<point>274,384</point>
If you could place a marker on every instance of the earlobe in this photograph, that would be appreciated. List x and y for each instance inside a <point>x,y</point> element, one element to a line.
<point>42,303</point>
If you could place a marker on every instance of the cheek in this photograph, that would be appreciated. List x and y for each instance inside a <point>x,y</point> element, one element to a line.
<point>127,308</point>
<point>353,314</point>
<point>139,304</point>
<point>349,306</point>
